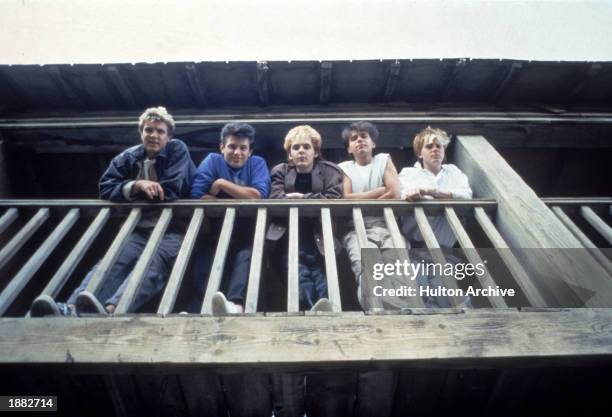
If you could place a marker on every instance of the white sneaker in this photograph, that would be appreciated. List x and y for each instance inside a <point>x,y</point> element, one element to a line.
<point>220,305</point>
<point>322,305</point>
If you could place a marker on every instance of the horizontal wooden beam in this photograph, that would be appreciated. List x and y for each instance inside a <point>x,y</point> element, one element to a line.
<point>578,201</point>
<point>487,203</point>
<point>470,337</point>
<point>293,117</point>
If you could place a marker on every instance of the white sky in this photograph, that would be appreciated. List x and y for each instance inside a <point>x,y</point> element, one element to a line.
<point>113,31</point>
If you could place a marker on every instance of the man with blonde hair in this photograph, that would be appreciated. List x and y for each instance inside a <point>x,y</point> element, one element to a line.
<point>305,175</point>
<point>159,169</point>
<point>428,179</point>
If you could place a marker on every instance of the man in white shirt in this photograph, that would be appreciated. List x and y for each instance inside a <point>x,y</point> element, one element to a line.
<point>428,179</point>
<point>367,176</point>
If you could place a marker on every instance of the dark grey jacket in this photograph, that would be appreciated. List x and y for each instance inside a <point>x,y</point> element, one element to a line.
<point>326,184</point>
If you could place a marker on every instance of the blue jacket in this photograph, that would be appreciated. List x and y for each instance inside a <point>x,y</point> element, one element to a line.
<point>254,173</point>
<point>173,165</point>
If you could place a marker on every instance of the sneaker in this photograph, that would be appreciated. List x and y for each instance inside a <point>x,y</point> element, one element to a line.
<point>87,303</point>
<point>322,305</point>
<point>220,305</point>
<point>46,306</point>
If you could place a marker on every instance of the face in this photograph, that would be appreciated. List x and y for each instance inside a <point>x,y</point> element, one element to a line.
<point>302,154</point>
<point>360,144</point>
<point>154,137</point>
<point>236,151</point>
<point>432,155</point>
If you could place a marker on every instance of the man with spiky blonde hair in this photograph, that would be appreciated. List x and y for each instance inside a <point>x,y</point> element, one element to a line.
<point>429,178</point>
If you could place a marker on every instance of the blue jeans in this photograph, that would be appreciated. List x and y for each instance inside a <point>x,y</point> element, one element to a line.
<point>237,264</point>
<point>154,280</point>
<point>312,279</point>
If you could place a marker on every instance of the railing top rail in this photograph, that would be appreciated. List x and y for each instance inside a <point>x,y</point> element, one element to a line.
<point>276,207</point>
<point>577,201</point>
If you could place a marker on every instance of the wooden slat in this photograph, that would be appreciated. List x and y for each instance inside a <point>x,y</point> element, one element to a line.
<point>216,271</point>
<point>8,218</point>
<point>434,248</point>
<point>13,246</point>
<point>584,240</point>
<point>331,269</point>
<point>428,236</point>
<point>366,282</point>
<point>256,261</point>
<point>76,254</point>
<point>293,275</point>
<point>180,265</point>
<point>475,337</point>
<point>21,279</point>
<point>142,266</point>
<point>113,252</point>
<point>514,266</point>
<point>473,257</point>
<point>597,223</point>
<point>400,245</point>
<point>360,229</point>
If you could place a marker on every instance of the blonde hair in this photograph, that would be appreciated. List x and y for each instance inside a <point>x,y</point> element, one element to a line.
<point>156,114</point>
<point>307,132</point>
<point>429,135</point>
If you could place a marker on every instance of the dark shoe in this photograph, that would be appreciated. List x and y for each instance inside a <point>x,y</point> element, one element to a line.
<point>87,303</point>
<point>46,306</point>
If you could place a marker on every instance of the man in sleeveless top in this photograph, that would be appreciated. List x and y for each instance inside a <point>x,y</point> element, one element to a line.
<point>368,176</point>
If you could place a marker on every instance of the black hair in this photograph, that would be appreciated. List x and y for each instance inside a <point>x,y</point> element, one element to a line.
<point>359,127</point>
<point>240,130</point>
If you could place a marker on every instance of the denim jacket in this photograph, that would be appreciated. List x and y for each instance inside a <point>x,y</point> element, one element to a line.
<point>173,166</point>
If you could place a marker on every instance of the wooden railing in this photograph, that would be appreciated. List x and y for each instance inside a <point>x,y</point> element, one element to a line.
<point>34,213</point>
<point>593,211</point>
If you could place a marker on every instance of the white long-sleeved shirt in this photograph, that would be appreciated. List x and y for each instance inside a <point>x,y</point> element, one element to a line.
<point>449,179</point>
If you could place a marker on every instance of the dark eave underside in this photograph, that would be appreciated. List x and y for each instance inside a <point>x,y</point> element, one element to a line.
<point>212,85</point>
